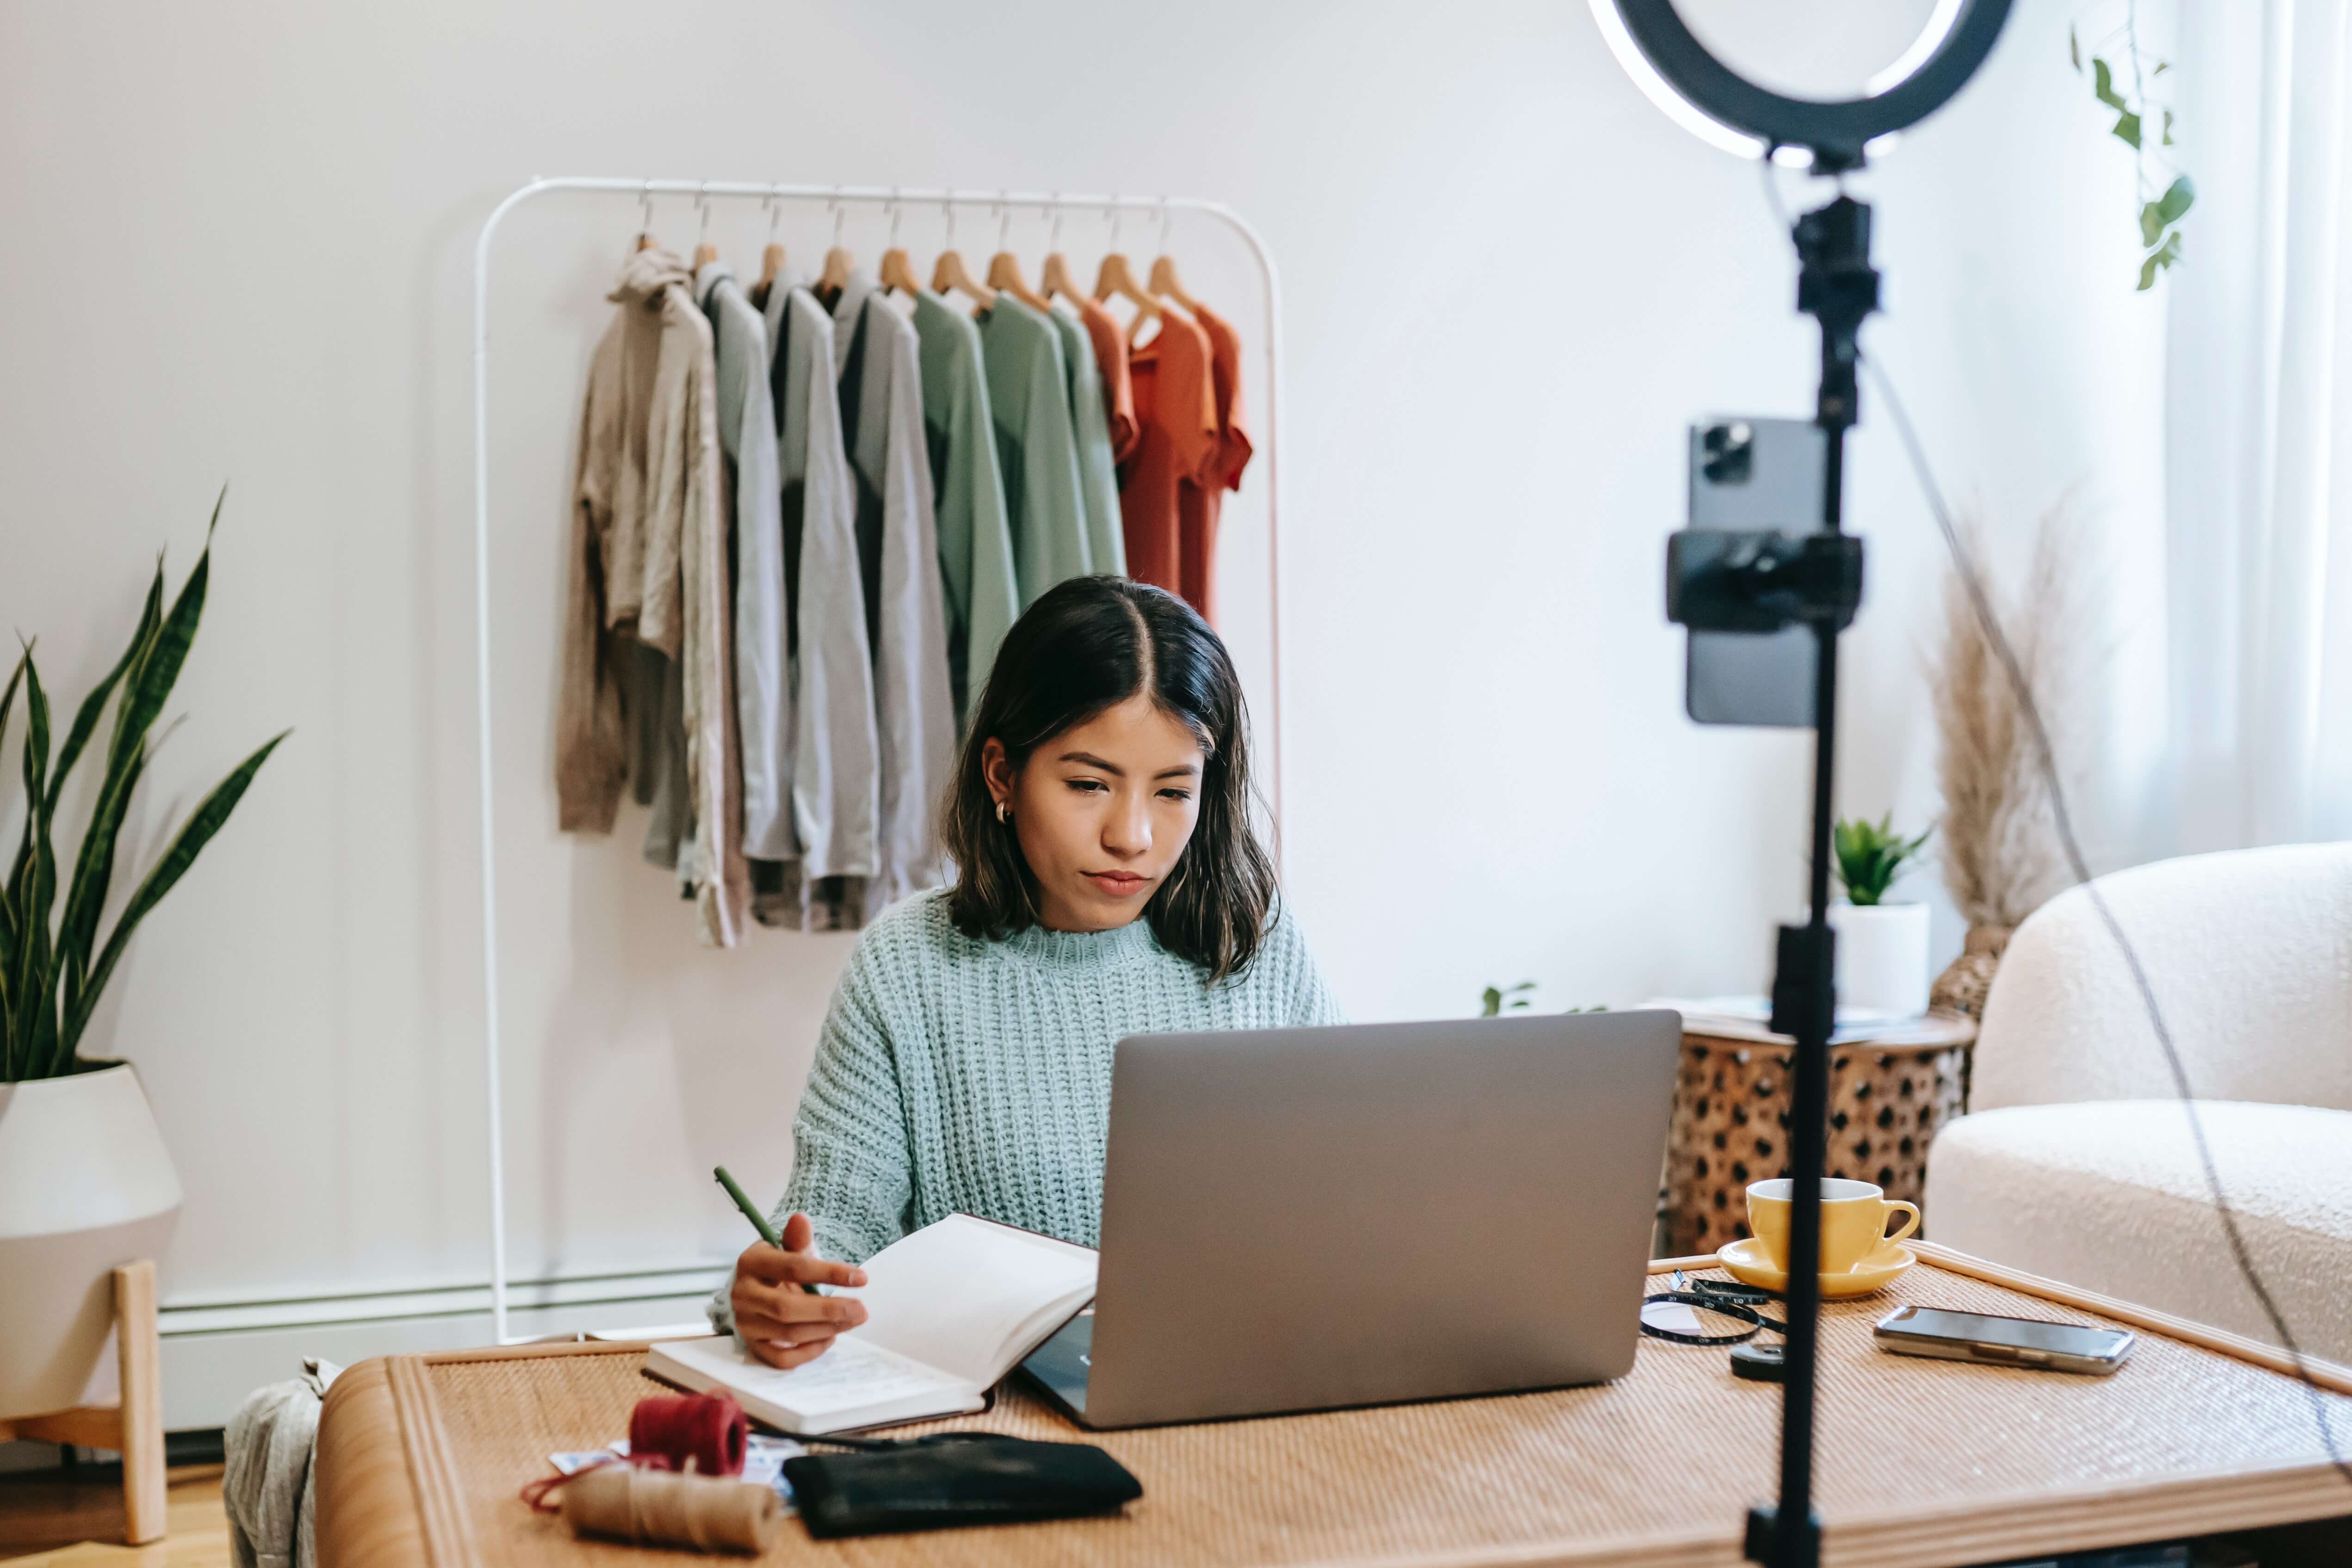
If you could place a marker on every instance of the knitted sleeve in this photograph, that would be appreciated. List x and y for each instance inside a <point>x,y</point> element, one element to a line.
<point>852,1170</point>
<point>1306,996</point>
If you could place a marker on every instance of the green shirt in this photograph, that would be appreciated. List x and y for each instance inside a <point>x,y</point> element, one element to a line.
<point>1097,469</point>
<point>963,1074</point>
<point>1029,392</point>
<point>983,597</point>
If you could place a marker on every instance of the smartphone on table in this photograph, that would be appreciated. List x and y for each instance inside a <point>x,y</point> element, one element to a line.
<point>2002,1341</point>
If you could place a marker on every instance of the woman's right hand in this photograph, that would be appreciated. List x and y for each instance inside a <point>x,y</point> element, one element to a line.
<point>784,1324</point>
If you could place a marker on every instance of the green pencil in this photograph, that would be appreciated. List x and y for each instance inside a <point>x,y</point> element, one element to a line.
<point>751,1212</point>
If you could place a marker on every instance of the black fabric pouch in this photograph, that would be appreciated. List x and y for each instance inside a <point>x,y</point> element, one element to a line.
<point>954,1479</point>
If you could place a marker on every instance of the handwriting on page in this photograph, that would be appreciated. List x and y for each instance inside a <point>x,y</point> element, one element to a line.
<point>851,1373</point>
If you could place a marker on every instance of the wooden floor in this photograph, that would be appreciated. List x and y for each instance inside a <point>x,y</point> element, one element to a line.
<point>73,1519</point>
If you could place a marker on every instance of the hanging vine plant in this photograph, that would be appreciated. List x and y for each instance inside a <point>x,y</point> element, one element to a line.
<point>2124,77</point>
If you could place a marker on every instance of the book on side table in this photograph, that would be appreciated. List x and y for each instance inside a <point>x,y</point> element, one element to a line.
<point>949,1311</point>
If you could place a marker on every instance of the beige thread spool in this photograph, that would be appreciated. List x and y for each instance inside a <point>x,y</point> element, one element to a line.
<point>709,1513</point>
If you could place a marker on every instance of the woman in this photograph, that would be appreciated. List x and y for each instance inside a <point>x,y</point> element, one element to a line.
<point>1107,884</point>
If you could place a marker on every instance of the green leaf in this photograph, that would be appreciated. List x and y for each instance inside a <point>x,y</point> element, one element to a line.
<point>2102,86</point>
<point>93,706</point>
<point>158,667</point>
<point>93,873</point>
<point>2168,128</point>
<point>94,863</point>
<point>23,860</point>
<point>2161,66</point>
<point>8,907</point>
<point>207,820</point>
<point>8,694</point>
<point>2075,50</point>
<point>2159,259</point>
<point>2174,204</point>
<point>1870,855</point>
<point>2128,128</point>
<point>36,889</point>
<point>2151,223</point>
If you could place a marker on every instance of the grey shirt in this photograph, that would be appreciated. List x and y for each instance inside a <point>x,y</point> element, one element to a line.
<point>882,416</point>
<point>830,748</point>
<point>747,434</point>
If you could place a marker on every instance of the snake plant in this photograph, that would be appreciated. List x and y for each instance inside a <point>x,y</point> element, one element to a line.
<point>53,965</point>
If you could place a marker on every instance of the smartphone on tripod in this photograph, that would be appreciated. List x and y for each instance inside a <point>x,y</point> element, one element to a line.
<point>1749,473</point>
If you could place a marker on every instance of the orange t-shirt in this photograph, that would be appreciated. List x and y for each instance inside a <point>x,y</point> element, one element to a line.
<point>1201,505</point>
<point>1177,442</point>
<point>1119,389</point>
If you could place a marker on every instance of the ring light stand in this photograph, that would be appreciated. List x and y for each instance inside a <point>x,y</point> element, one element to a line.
<point>1802,576</point>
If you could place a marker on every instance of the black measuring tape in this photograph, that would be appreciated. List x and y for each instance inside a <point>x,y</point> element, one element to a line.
<point>1738,1302</point>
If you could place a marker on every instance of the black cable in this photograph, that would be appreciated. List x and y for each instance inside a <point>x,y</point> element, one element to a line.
<point>2046,759</point>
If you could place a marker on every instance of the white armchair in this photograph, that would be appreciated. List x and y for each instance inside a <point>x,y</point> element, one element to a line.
<point>2076,1161</point>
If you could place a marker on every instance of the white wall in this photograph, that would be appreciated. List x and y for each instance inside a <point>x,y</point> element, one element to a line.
<point>242,237</point>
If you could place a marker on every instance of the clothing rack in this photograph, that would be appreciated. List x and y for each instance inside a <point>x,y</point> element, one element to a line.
<point>887,196</point>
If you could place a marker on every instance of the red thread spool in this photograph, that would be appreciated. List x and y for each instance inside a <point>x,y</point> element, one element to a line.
<point>700,1432</point>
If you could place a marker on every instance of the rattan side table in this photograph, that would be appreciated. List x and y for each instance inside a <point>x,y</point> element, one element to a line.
<point>1889,1095</point>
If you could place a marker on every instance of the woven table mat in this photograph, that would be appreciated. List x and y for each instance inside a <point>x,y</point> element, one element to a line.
<point>1919,1462</point>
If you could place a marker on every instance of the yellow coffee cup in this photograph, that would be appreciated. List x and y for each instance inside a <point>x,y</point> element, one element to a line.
<point>1853,1220</point>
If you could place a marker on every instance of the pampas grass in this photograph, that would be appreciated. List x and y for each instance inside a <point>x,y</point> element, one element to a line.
<point>2001,857</point>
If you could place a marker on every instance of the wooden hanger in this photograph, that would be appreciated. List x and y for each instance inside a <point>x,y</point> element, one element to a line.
<point>837,261</point>
<point>1056,278</point>
<point>1004,267</point>
<point>838,264</point>
<point>951,274</point>
<point>705,253</point>
<point>1165,284</point>
<point>646,240</point>
<point>950,271</point>
<point>771,261</point>
<point>898,272</point>
<point>1115,279</point>
<point>1005,275</point>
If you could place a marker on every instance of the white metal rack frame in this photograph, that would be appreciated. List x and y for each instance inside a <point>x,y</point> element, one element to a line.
<point>706,191</point>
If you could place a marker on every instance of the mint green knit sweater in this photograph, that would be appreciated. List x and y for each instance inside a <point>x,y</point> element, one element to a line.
<point>958,1074</point>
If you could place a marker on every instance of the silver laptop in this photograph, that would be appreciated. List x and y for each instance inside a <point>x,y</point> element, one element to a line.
<point>1305,1218</point>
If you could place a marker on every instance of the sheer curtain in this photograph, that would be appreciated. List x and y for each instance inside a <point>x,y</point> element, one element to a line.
<point>2259,415</point>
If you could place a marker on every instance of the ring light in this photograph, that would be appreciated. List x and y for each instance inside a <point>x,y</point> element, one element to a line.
<point>1725,109</point>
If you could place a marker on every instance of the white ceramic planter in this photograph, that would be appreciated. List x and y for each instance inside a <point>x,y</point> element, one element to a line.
<point>1882,957</point>
<point>84,1185</point>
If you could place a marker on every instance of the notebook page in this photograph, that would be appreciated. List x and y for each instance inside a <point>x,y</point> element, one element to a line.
<point>958,1294</point>
<point>850,1376</point>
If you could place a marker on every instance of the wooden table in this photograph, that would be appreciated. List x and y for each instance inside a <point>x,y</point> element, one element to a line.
<point>1923,1464</point>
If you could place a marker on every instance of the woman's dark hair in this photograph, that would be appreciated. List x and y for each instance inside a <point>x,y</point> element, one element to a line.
<point>1088,644</point>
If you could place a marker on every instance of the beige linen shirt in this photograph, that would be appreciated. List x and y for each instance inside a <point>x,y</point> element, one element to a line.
<point>649,566</point>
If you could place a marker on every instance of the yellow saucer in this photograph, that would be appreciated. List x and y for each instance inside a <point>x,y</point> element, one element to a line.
<point>1751,1265</point>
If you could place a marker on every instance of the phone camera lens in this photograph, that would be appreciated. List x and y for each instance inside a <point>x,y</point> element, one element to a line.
<point>1730,451</point>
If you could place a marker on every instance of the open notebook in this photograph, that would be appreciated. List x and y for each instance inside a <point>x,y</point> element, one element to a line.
<point>950,1310</point>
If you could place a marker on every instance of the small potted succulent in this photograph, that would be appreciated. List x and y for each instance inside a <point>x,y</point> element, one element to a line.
<point>1882,947</point>
<point>85,1181</point>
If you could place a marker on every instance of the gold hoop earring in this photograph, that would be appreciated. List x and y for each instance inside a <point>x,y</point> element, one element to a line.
<point>1004,811</point>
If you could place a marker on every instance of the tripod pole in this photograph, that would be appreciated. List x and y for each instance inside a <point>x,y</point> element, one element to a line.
<point>1839,288</point>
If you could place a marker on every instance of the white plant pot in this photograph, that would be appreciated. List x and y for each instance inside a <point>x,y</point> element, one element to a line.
<point>1882,957</point>
<point>86,1185</point>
